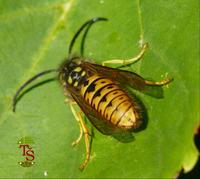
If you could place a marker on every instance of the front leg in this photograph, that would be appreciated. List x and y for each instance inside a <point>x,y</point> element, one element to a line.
<point>83,130</point>
<point>87,142</point>
<point>74,143</point>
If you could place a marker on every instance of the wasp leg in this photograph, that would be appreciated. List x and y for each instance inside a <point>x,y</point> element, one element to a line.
<point>78,120</point>
<point>159,83</point>
<point>128,61</point>
<point>87,143</point>
<point>83,129</point>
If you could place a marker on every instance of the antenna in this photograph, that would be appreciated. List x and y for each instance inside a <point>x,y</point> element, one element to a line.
<point>27,82</point>
<point>88,25</point>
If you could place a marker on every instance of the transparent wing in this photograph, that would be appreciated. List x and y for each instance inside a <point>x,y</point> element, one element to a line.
<point>125,78</point>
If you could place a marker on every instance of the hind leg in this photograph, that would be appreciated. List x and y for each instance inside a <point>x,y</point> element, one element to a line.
<point>128,61</point>
<point>158,83</point>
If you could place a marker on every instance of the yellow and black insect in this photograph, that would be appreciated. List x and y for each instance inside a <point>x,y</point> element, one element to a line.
<point>101,92</point>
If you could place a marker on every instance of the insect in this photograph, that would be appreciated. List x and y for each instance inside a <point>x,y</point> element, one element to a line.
<point>100,91</point>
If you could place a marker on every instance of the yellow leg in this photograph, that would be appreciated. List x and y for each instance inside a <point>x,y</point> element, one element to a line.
<point>83,129</point>
<point>80,126</point>
<point>128,61</point>
<point>159,83</point>
<point>87,142</point>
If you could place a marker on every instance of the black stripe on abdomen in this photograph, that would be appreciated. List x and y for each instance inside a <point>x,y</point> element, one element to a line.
<point>91,87</point>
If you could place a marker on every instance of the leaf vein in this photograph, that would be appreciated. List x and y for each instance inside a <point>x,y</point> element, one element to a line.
<point>44,47</point>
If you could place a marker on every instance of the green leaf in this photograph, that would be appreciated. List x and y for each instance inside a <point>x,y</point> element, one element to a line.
<point>35,36</point>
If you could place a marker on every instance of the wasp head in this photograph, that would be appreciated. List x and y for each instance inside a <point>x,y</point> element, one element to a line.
<point>67,69</point>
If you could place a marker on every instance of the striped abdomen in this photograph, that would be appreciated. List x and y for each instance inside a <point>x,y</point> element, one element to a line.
<point>111,102</point>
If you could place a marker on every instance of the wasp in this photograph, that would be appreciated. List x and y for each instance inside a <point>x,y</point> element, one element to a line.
<point>101,91</point>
